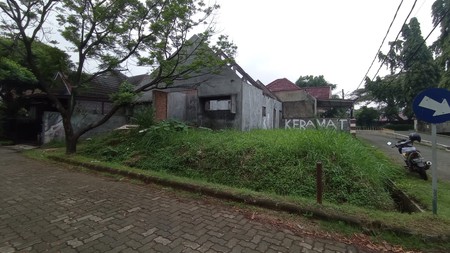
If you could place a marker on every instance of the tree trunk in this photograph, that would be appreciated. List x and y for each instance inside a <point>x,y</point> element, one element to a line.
<point>71,146</point>
<point>71,140</point>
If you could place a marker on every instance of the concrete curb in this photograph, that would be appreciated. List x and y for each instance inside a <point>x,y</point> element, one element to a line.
<point>369,225</point>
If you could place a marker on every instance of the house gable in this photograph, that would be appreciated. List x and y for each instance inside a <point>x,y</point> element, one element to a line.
<point>282,84</point>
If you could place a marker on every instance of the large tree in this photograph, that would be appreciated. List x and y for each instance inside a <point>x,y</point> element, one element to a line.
<point>367,116</point>
<point>313,81</point>
<point>386,93</point>
<point>441,47</point>
<point>412,70</point>
<point>107,34</point>
<point>15,74</point>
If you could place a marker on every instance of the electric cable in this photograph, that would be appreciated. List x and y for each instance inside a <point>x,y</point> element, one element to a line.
<point>396,38</point>
<point>423,42</point>
<point>379,49</point>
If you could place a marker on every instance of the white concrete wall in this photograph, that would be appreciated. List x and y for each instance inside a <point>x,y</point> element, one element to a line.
<point>253,102</point>
<point>53,128</point>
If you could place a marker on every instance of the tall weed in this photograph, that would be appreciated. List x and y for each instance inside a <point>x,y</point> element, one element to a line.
<point>272,161</point>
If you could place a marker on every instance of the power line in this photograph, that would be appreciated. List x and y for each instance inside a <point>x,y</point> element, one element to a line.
<point>423,42</point>
<point>396,38</point>
<point>379,49</point>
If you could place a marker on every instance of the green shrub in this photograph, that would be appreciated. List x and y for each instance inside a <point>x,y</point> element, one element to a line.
<point>144,117</point>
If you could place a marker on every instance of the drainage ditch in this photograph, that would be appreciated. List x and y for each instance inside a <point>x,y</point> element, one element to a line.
<point>402,201</point>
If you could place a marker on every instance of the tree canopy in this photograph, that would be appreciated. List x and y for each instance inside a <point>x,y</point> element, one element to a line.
<point>313,81</point>
<point>108,34</point>
<point>366,116</point>
<point>16,76</point>
<point>412,70</point>
<point>441,47</point>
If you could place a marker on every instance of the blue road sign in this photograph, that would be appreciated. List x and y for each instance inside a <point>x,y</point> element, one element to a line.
<point>432,105</point>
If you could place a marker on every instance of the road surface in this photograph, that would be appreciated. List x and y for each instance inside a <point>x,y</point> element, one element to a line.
<point>50,208</point>
<point>380,138</point>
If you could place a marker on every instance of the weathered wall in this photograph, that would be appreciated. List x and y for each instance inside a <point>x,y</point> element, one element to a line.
<point>293,95</point>
<point>176,106</point>
<point>53,128</point>
<point>322,123</point>
<point>272,118</point>
<point>183,106</point>
<point>96,107</point>
<point>225,85</point>
<point>218,85</point>
<point>253,102</point>
<point>298,109</point>
<point>251,105</point>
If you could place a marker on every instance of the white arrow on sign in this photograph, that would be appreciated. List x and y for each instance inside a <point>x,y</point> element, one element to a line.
<point>438,108</point>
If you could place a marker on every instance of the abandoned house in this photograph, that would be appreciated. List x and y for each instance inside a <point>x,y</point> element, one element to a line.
<point>230,99</point>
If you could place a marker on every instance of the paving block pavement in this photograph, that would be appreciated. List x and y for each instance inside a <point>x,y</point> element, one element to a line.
<point>47,208</point>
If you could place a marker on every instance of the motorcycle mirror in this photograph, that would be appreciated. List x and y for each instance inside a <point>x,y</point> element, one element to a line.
<point>389,143</point>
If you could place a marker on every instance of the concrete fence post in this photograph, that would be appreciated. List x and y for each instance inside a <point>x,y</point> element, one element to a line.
<point>353,127</point>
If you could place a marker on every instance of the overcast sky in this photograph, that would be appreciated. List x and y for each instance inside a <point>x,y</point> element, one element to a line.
<point>336,39</point>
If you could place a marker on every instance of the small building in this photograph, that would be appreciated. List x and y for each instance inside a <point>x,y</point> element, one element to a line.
<point>296,102</point>
<point>303,106</point>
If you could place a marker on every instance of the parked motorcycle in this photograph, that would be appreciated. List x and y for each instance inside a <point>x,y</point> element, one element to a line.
<point>412,157</point>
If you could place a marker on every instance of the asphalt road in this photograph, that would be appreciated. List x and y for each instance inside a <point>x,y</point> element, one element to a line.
<point>379,139</point>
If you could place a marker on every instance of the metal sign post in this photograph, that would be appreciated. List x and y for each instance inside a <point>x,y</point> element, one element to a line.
<point>434,167</point>
<point>432,106</point>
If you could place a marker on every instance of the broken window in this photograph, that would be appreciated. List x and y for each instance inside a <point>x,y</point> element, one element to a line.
<point>218,105</point>
<point>221,104</point>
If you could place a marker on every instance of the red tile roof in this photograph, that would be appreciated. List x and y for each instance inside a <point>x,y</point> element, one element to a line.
<point>282,84</point>
<point>323,92</point>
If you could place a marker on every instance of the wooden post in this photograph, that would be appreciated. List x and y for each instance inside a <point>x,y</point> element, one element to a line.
<point>319,182</point>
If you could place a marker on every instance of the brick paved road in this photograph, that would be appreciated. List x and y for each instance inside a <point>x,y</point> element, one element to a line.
<point>47,208</point>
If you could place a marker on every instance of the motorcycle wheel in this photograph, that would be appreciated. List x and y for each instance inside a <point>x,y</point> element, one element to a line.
<point>422,173</point>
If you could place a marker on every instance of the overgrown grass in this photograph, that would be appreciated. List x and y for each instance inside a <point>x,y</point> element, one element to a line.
<point>276,161</point>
